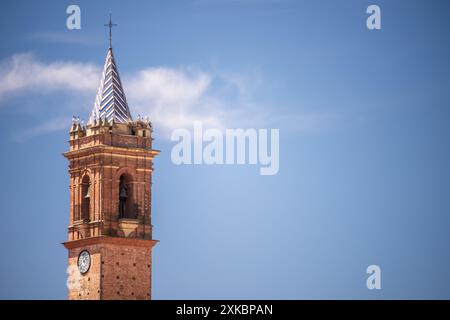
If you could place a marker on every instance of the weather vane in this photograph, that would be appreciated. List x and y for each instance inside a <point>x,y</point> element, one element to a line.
<point>110,25</point>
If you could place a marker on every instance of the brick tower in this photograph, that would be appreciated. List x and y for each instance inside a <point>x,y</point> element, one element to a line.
<point>110,165</point>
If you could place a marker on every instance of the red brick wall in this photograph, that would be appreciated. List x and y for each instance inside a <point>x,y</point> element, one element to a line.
<point>117,272</point>
<point>104,154</point>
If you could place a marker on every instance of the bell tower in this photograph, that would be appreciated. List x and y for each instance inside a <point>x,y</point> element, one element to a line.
<point>110,166</point>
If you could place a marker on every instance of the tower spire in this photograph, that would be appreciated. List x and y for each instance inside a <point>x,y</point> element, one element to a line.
<point>110,102</point>
<point>110,25</point>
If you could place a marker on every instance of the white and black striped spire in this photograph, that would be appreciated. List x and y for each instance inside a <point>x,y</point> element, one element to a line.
<point>110,102</point>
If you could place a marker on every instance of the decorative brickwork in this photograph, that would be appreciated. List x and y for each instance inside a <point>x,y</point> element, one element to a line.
<point>120,268</point>
<point>110,168</point>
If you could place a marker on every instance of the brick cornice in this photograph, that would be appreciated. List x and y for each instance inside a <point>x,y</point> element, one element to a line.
<point>110,240</point>
<point>107,150</point>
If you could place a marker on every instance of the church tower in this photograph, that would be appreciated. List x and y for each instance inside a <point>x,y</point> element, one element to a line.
<point>110,166</point>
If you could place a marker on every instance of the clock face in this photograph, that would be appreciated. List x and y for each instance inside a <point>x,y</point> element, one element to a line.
<point>84,261</point>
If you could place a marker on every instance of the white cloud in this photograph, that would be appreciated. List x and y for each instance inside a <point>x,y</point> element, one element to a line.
<point>168,86</point>
<point>172,97</point>
<point>22,73</point>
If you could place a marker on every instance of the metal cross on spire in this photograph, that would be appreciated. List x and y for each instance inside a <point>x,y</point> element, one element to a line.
<point>110,25</point>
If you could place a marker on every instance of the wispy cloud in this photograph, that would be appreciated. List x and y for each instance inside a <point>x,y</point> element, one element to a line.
<point>172,97</point>
<point>176,98</point>
<point>50,125</point>
<point>22,73</point>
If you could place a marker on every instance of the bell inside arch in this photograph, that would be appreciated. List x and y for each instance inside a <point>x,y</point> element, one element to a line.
<point>123,192</point>
<point>88,191</point>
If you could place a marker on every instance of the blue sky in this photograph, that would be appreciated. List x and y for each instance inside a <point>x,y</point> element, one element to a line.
<point>364,143</point>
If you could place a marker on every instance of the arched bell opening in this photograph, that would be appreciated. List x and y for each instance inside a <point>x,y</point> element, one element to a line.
<point>85,199</point>
<point>127,207</point>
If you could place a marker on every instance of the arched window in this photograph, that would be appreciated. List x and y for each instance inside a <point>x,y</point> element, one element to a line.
<point>85,198</point>
<point>127,207</point>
